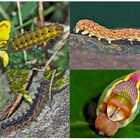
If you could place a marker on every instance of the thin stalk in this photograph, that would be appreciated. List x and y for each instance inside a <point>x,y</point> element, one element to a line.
<point>21,24</point>
<point>51,83</point>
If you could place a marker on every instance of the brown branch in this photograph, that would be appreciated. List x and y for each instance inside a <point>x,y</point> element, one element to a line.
<point>41,17</point>
<point>16,101</point>
<point>61,44</point>
<point>21,24</point>
<point>14,105</point>
<point>51,83</point>
<point>40,11</point>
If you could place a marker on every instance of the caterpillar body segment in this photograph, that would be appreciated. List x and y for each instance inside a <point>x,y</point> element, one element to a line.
<point>94,29</point>
<point>35,37</point>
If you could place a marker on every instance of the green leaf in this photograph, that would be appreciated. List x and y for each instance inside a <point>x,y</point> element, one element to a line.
<point>28,98</point>
<point>3,13</point>
<point>28,8</point>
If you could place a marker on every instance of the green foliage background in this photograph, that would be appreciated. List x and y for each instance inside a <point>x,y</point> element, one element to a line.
<point>87,86</point>
<point>53,12</point>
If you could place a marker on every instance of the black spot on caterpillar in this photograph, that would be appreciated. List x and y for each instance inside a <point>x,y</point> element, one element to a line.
<point>35,37</point>
<point>26,118</point>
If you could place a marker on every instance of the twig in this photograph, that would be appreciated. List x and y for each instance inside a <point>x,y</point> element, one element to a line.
<point>4,14</point>
<point>52,57</point>
<point>19,15</point>
<point>31,76</point>
<point>21,24</point>
<point>40,11</point>
<point>25,24</point>
<point>51,82</point>
<point>17,100</point>
<point>55,53</point>
<point>5,107</point>
<point>14,105</point>
<point>50,10</point>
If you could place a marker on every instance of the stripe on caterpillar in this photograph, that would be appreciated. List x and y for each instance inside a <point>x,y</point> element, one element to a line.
<point>94,29</point>
<point>30,115</point>
<point>35,37</point>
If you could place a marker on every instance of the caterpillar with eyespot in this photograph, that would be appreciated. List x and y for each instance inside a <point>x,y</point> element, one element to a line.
<point>94,29</point>
<point>36,37</point>
<point>119,104</point>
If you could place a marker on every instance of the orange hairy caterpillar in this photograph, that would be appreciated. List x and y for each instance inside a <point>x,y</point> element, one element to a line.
<point>94,29</point>
<point>35,37</point>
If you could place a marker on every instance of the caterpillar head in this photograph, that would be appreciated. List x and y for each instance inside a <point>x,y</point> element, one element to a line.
<point>116,106</point>
<point>55,29</point>
<point>82,25</point>
<point>116,112</point>
<point>105,126</point>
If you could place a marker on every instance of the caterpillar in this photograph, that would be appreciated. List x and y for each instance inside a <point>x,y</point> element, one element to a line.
<point>35,37</point>
<point>119,104</point>
<point>25,119</point>
<point>94,29</point>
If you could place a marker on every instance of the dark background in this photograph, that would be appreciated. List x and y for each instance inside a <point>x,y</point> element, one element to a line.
<point>109,14</point>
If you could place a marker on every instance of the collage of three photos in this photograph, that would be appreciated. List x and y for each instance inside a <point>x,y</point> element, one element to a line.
<point>69,69</point>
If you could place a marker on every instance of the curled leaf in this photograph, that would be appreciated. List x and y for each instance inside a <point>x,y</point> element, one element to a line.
<point>28,98</point>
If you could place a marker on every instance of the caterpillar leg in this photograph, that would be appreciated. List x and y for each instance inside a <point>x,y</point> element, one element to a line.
<point>109,42</point>
<point>90,35</point>
<point>131,42</point>
<point>77,30</point>
<point>85,32</point>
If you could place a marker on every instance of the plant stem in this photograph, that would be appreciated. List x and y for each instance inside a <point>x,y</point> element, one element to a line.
<point>21,24</point>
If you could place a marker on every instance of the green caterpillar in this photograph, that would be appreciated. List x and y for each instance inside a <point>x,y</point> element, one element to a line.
<point>35,37</point>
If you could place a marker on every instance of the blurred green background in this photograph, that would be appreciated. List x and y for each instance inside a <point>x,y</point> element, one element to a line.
<point>86,88</point>
<point>109,14</point>
<point>55,12</point>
